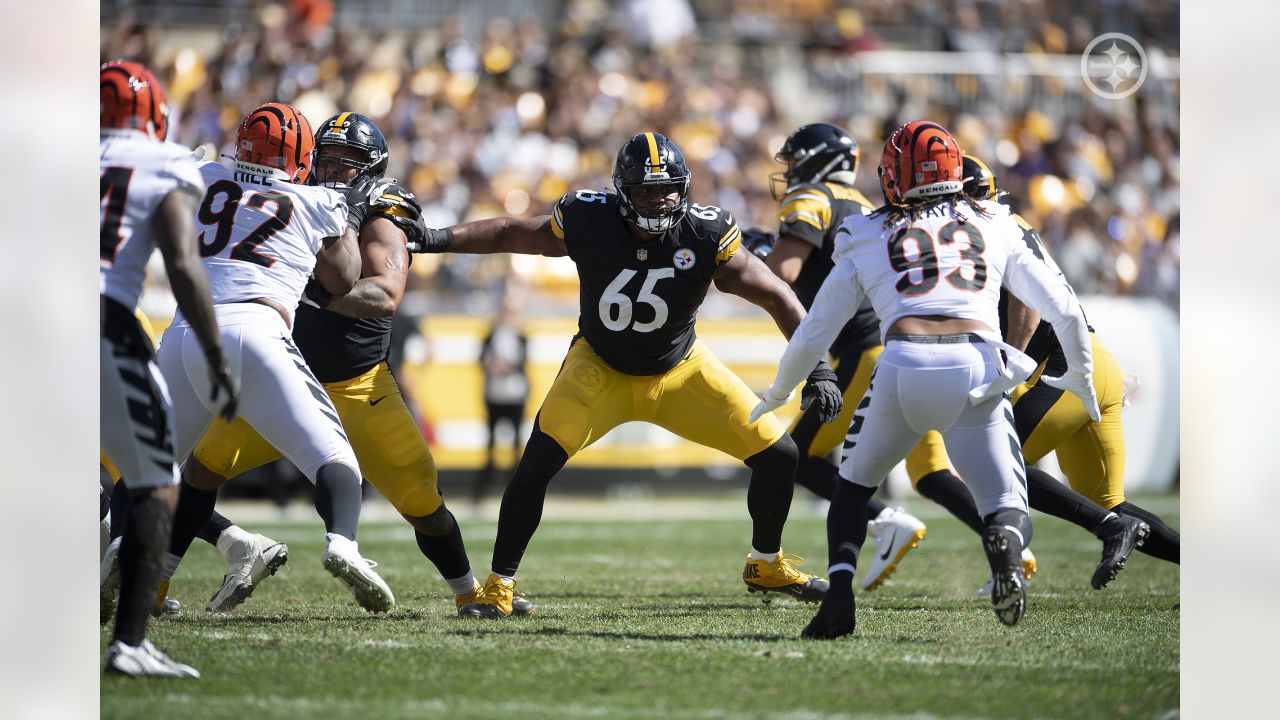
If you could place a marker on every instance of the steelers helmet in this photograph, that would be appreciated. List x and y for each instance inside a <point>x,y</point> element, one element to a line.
<point>353,130</point>
<point>812,153</point>
<point>651,158</point>
<point>979,181</point>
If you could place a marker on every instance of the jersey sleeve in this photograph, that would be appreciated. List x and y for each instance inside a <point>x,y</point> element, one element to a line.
<point>182,171</point>
<point>805,213</point>
<point>328,213</point>
<point>1047,292</point>
<point>728,238</point>
<point>836,303</point>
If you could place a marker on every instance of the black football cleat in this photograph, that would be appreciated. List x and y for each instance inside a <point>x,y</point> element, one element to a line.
<point>837,617</point>
<point>1008,585</point>
<point>1120,536</point>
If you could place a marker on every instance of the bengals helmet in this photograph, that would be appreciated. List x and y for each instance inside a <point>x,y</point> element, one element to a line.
<point>356,131</point>
<point>651,159</point>
<point>921,160</point>
<point>812,153</point>
<point>131,98</point>
<point>277,137</point>
<point>979,181</point>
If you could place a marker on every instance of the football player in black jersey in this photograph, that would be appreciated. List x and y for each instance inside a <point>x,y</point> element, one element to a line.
<point>345,342</point>
<point>1091,453</point>
<point>646,256</point>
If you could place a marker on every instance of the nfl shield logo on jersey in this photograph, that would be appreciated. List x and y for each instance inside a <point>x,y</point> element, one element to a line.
<point>684,259</point>
<point>642,254</point>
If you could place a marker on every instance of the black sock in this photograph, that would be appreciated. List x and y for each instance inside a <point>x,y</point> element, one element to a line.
<point>119,509</point>
<point>522,502</point>
<point>447,552</point>
<point>141,562</point>
<point>847,528</point>
<point>773,473</point>
<point>949,491</point>
<point>338,499</point>
<point>1164,542</point>
<point>1015,519</point>
<point>818,476</point>
<point>875,506</point>
<point>1046,494</point>
<point>195,506</point>
<point>212,529</point>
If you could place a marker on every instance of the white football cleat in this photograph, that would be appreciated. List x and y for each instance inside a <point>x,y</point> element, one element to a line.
<point>1028,569</point>
<point>109,580</point>
<point>144,660</point>
<point>343,560</point>
<point>895,532</point>
<point>250,559</point>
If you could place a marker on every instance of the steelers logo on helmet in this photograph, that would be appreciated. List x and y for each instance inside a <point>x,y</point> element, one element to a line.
<point>357,132</point>
<point>684,259</point>
<point>651,161</point>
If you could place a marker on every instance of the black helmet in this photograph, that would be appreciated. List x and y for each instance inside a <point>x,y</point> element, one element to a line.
<point>651,159</point>
<point>356,131</point>
<point>811,154</point>
<point>979,181</point>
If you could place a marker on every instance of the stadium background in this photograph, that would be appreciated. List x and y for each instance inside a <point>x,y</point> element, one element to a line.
<point>500,107</point>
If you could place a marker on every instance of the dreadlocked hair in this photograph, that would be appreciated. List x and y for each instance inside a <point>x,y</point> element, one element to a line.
<point>912,211</point>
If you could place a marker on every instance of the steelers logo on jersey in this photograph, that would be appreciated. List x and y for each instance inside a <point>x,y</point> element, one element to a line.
<point>684,259</point>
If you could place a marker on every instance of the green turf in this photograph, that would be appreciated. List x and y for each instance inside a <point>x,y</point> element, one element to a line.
<point>650,619</point>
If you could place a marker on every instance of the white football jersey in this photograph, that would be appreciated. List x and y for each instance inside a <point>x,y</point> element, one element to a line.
<point>137,173</point>
<point>259,235</point>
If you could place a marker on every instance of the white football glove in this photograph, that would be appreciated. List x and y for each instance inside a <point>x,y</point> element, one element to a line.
<point>1079,383</point>
<point>768,403</point>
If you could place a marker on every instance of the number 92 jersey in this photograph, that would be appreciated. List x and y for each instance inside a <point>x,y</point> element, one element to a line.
<point>639,300</point>
<point>259,235</point>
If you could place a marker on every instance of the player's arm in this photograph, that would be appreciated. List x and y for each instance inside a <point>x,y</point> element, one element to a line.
<point>747,277</point>
<point>175,236</point>
<point>788,256</point>
<point>524,236</point>
<point>384,261</point>
<point>1021,322</point>
<point>338,261</point>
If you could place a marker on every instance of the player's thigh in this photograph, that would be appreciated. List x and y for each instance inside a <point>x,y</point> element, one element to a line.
<point>134,417</point>
<point>587,399</point>
<point>181,361</point>
<point>704,401</point>
<point>984,447</point>
<point>283,401</point>
<point>1044,417</point>
<point>393,455</point>
<point>878,436</point>
<point>853,366</point>
<point>927,457</point>
<point>1093,459</point>
<point>232,448</point>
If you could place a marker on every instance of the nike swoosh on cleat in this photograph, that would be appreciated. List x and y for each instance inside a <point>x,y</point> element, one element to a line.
<point>375,402</point>
<point>888,547</point>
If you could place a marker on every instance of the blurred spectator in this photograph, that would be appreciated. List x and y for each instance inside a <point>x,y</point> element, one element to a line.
<point>504,356</point>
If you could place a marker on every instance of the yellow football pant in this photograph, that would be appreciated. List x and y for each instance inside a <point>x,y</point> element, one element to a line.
<point>699,399</point>
<point>392,453</point>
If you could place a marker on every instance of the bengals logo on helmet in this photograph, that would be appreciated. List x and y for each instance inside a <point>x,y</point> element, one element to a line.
<point>279,137</point>
<point>131,98</point>
<point>921,159</point>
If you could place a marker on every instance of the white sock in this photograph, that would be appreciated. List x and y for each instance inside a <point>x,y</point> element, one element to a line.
<point>229,537</point>
<point>767,557</point>
<point>462,585</point>
<point>342,543</point>
<point>171,563</point>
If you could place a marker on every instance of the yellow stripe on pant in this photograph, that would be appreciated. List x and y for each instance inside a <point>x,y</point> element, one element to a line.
<point>392,453</point>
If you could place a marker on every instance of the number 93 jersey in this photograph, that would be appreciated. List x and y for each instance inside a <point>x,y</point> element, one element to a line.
<point>639,300</point>
<point>259,235</point>
<point>945,262</point>
<point>137,173</point>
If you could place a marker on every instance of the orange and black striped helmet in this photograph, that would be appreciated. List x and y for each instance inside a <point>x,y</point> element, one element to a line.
<point>921,159</point>
<point>277,136</point>
<point>130,97</point>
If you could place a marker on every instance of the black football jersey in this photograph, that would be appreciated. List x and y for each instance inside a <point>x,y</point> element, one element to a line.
<point>337,347</point>
<point>639,300</point>
<point>812,212</point>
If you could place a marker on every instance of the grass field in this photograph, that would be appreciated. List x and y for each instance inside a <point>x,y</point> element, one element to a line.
<point>649,618</point>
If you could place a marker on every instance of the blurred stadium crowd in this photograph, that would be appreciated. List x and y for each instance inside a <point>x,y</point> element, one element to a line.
<point>489,114</point>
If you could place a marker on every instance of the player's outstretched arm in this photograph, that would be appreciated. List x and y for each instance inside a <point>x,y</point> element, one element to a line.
<point>788,257</point>
<point>749,278</point>
<point>526,236</point>
<point>175,236</point>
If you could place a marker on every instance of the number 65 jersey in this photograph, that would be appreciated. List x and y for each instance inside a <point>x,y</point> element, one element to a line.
<point>639,300</point>
<point>259,235</point>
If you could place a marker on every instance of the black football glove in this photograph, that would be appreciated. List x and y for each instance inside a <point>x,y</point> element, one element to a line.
<point>357,195</point>
<point>433,241</point>
<point>223,385</point>
<point>821,387</point>
<point>314,294</point>
<point>398,205</point>
<point>759,242</point>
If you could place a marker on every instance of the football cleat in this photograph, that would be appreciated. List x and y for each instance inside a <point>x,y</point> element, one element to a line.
<point>250,560</point>
<point>1008,585</point>
<point>145,660</point>
<point>168,606</point>
<point>1120,536</point>
<point>496,600</point>
<point>1028,569</point>
<point>781,576</point>
<point>836,617</point>
<point>109,581</point>
<point>343,560</point>
<point>520,605</point>
<point>895,532</point>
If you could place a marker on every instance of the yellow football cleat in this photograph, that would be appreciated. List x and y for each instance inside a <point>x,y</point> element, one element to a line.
<point>495,601</point>
<point>520,606</point>
<point>781,576</point>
